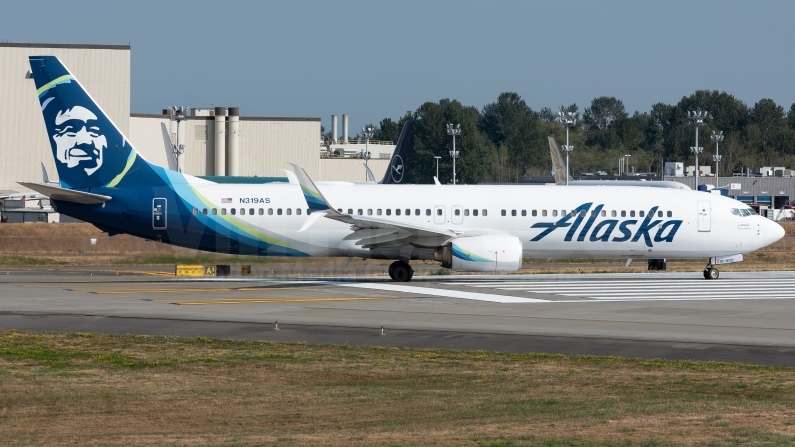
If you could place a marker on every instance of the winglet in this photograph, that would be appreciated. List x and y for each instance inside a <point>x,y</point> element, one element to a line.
<point>558,165</point>
<point>170,157</point>
<point>436,181</point>
<point>314,198</point>
<point>370,177</point>
<point>45,178</point>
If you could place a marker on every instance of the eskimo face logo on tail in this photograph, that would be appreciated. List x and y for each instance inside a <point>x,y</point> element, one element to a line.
<point>78,139</point>
<point>602,231</point>
<point>396,168</point>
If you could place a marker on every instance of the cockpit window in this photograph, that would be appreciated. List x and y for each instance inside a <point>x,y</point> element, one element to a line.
<point>736,212</point>
<point>752,211</point>
<point>746,212</point>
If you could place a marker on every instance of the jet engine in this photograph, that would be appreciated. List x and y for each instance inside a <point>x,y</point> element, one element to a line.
<point>486,253</point>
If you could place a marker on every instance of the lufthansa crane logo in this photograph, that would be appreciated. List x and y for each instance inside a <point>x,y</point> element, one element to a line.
<point>396,168</point>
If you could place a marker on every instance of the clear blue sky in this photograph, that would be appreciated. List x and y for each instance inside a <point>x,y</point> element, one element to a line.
<point>379,59</point>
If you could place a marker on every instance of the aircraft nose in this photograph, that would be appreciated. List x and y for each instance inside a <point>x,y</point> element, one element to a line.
<point>773,232</point>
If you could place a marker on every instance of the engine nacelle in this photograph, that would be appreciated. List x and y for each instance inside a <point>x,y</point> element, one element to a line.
<point>487,253</point>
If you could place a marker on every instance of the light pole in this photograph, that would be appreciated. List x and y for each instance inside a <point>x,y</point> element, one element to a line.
<point>626,159</point>
<point>178,115</point>
<point>697,119</point>
<point>717,138</point>
<point>454,131</point>
<point>367,133</point>
<point>568,119</point>
<point>437,157</point>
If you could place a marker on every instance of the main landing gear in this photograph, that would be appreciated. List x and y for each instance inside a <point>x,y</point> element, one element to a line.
<point>401,271</point>
<point>711,272</point>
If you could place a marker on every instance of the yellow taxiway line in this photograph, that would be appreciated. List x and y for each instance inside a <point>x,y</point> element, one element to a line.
<point>264,300</point>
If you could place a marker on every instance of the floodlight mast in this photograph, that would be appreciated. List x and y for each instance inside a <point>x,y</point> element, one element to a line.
<point>568,119</point>
<point>454,131</point>
<point>178,114</point>
<point>367,133</point>
<point>717,138</point>
<point>697,119</point>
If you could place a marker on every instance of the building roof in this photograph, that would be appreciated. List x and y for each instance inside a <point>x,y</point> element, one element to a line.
<point>65,45</point>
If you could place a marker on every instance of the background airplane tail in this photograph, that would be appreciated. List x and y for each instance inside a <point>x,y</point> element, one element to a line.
<point>395,173</point>
<point>558,165</point>
<point>89,150</point>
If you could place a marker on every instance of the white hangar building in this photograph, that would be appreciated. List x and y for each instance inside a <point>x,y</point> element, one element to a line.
<point>217,141</point>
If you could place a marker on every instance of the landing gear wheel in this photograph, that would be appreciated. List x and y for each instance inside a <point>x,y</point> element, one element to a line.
<point>711,272</point>
<point>401,271</point>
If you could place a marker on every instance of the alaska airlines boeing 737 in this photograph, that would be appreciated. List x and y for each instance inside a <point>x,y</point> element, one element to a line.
<point>481,228</point>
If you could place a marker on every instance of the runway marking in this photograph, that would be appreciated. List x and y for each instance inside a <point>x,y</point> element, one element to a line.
<point>171,290</point>
<point>265,300</point>
<point>648,289</point>
<point>443,293</point>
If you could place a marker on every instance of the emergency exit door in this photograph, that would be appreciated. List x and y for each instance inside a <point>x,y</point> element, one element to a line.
<point>159,211</point>
<point>704,216</point>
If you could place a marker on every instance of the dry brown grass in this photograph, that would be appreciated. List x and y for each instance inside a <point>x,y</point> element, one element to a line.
<point>93,389</point>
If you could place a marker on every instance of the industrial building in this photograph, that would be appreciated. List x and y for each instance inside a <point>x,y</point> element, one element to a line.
<point>218,141</point>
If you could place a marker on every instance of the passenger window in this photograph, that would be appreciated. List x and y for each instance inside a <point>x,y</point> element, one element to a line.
<point>670,214</point>
<point>242,211</point>
<point>204,211</point>
<point>524,213</point>
<point>378,212</point>
<point>389,211</point>
<point>659,213</point>
<point>360,212</point>
<point>543,213</point>
<point>417,212</point>
<point>554,213</point>
<point>397,212</point>
<point>466,213</point>
<point>641,213</point>
<point>613,213</point>
<point>582,213</point>
<point>215,211</point>
<point>195,211</point>
<point>289,211</point>
<point>369,212</point>
<point>632,213</point>
<point>223,211</point>
<point>604,213</point>
<point>474,212</point>
<point>457,212</point>
<point>279,211</point>
<point>298,211</point>
<point>502,213</point>
<point>350,211</point>
<point>270,211</point>
<point>623,213</point>
<point>485,213</point>
<point>563,213</point>
<point>338,210</point>
<point>261,211</point>
<point>233,210</point>
<point>535,213</point>
<point>251,211</point>
<point>513,213</point>
<point>408,212</point>
<point>438,211</point>
<point>427,211</point>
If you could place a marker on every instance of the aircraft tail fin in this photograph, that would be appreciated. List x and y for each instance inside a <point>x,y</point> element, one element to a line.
<point>395,173</point>
<point>89,149</point>
<point>558,164</point>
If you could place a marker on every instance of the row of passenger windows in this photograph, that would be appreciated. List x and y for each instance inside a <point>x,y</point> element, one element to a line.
<point>251,211</point>
<point>417,212</point>
<point>603,213</point>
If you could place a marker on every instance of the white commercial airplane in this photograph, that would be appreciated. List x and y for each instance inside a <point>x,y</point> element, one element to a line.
<point>480,228</point>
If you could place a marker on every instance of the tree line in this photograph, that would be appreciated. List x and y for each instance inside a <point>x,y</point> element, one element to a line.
<point>507,138</point>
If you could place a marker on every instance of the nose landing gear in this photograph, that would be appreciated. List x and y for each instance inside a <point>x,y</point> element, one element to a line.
<point>711,272</point>
<point>401,271</point>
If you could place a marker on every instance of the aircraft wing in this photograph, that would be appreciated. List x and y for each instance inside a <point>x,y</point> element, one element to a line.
<point>368,231</point>
<point>558,165</point>
<point>66,195</point>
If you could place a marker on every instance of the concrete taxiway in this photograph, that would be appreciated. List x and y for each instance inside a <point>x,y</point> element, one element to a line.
<point>743,317</point>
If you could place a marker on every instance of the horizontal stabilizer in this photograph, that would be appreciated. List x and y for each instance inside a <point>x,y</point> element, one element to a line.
<point>66,195</point>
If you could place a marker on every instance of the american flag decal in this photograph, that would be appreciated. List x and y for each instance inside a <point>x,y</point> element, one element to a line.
<point>225,200</point>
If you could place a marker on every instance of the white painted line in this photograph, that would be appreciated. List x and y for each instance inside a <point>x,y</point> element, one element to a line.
<point>442,292</point>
